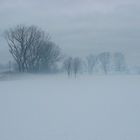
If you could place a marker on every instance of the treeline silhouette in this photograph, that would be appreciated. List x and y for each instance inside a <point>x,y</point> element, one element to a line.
<point>34,51</point>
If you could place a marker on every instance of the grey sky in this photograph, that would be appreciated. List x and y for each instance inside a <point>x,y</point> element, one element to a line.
<point>79,27</point>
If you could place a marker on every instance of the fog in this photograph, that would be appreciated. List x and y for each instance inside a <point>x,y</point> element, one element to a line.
<point>79,27</point>
<point>81,82</point>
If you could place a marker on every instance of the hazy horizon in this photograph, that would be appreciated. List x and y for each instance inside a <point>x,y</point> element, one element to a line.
<point>79,27</point>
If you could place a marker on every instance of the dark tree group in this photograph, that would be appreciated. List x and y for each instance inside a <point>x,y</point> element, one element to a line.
<point>32,48</point>
<point>72,65</point>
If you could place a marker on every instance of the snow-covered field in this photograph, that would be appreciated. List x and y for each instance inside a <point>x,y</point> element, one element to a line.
<point>61,108</point>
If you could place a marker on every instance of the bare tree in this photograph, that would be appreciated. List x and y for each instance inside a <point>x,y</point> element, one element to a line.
<point>119,62</point>
<point>36,39</point>
<point>91,62</point>
<point>49,54</point>
<point>104,59</point>
<point>68,65</point>
<point>30,46</point>
<point>76,65</point>
<point>15,42</point>
<point>24,43</point>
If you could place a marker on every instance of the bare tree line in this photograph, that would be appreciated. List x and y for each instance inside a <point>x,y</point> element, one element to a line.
<point>105,62</point>
<point>34,51</point>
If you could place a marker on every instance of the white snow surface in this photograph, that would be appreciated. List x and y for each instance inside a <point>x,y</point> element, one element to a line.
<point>61,108</point>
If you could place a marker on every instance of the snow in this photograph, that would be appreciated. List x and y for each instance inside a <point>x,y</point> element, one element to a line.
<point>56,107</point>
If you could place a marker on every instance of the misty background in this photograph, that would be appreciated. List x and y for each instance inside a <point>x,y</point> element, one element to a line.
<point>79,27</point>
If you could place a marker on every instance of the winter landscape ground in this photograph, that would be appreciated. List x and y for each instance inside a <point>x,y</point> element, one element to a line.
<point>56,107</point>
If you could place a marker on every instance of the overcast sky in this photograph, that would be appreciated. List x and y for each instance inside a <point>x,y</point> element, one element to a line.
<point>79,27</point>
